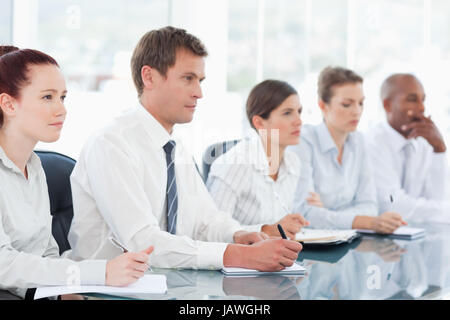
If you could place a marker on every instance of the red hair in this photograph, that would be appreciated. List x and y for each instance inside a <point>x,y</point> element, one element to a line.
<point>14,68</point>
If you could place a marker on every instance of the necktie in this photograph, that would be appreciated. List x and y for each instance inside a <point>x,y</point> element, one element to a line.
<point>171,189</point>
<point>408,168</point>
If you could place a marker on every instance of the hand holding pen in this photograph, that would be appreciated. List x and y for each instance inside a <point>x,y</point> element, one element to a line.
<point>117,244</point>
<point>292,222</point>
<point>387,222</point>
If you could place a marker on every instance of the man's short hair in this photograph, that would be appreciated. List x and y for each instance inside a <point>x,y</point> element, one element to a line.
<point>158,48</point>
<point>389,86</point>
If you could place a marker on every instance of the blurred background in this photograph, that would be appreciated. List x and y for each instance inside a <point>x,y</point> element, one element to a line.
<point>248,41</point>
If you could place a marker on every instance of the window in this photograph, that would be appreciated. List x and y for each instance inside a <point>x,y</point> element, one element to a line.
<point>295,40</point>
<point>248,41</point>
<point>93,42</point>
<point>6,22</point>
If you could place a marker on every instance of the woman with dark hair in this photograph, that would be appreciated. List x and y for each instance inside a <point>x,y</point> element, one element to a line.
<point>32,93</point>
<point>255,181</point>
<point>335,162</point>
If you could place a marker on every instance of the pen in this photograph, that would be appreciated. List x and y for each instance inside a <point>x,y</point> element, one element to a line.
<point>284,207</point>
<point>390,271</point>
<point>280,229</point>
<point>120,246</point>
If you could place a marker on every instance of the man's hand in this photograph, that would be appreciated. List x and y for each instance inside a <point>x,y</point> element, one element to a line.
<point>424,127</point>
<point>267,255</point>
<point>244,237</point>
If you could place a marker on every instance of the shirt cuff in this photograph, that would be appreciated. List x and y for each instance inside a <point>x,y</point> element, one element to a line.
<point>346,220</point>
<point>229,235</point>
<point>253,228</point>
<point>93,272</point>
<point>210,255</point>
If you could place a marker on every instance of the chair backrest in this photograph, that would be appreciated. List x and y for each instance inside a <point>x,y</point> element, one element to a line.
<point>213,152</point>
<point>57,168</point>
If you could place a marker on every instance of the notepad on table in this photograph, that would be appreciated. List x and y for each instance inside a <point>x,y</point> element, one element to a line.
<point>149,283</point>
<point>295,269</point>
<point>406,233</point>
<point>325,236</point>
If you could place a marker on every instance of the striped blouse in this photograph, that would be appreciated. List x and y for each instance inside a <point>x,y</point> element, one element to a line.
<point>240,184</point>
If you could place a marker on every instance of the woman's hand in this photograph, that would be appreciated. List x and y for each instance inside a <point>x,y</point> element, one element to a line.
<point>127,268</point>
<point>314,200</point>
<point>291,223</point>
<point>387,222</point>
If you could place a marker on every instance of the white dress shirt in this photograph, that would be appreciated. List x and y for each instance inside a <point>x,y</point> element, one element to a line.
<point>346,190</point>
<point>119,189</point>
<point>240,183</point>
<point>409,171</point>
<point>29,255</point>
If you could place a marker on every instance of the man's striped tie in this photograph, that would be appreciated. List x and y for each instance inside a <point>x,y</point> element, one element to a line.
<point>171,189</point>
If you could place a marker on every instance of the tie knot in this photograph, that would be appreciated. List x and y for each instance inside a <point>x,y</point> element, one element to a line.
<point>169,146</point>
<point>408,147</point>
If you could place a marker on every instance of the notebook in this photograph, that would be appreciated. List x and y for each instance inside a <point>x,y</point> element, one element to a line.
<point>295,269</point>
<point>325,236</point>
<point>404,233</point>
<point>149,283</point>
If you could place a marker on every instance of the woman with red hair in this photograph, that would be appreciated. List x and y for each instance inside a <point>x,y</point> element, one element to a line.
<point>32,93</point>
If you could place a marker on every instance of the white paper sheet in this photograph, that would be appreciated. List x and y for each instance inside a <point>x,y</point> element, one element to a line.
<point>401,231</point>
<point>324,235</point>
<point>149,283</point>
<point>295,269</point>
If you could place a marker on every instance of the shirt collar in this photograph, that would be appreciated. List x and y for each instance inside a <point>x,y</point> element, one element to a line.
<point>258,156</point>
<point>256,152</point>
<point>154,129</point>
<point>33,163</point>
<point>397,140</point>
<point>288,164</point>
<point>326,142</point>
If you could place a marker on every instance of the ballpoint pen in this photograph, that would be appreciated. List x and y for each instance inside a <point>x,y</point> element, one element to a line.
<point>280,229</point>
<point>117,244</point>
<point>283,206</point>
<point>390,271</point>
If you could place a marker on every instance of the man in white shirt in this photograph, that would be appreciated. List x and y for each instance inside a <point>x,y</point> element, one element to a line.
<point>408,154</point>
<point>134,182</point>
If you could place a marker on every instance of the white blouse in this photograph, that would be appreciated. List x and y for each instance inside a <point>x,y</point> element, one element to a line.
<point>29,255</point>
<point>240,184</point>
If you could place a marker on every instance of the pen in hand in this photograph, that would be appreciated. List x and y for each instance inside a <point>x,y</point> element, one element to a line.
<point>118,245</point>
<point>122,247</point>
<point>280,229</point>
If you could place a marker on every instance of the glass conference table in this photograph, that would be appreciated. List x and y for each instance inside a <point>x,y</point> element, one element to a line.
<point>371,267</point>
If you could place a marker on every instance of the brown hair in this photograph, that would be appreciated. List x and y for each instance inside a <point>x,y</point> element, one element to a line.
<point>14,67</point>
<point>334,76</point>
<point>157,49</point>
<point>267,96</point>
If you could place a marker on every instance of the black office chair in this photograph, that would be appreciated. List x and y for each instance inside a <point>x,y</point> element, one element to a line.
<point>57,168</point>
<point>213,152</point>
